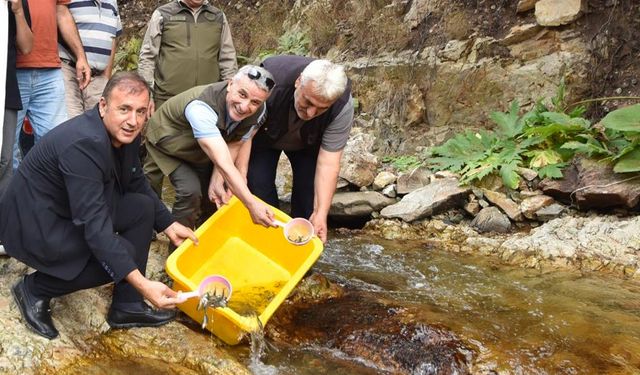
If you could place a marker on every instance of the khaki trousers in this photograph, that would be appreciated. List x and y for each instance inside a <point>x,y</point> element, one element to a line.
<point>78,101</point>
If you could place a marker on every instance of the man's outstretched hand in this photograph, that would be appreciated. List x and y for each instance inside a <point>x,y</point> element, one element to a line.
<point>177,233</point>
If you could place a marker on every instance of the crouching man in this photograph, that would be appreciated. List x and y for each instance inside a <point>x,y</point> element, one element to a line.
<point>207,126</point>
<point>81,213</point>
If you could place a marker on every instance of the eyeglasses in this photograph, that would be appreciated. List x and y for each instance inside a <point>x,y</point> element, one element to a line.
<point>255,75</point>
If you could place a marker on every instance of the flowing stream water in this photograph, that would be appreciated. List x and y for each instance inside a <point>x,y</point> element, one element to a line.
<point>520,321</point>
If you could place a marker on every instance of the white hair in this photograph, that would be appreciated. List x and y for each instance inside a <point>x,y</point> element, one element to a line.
<point>329,78</point>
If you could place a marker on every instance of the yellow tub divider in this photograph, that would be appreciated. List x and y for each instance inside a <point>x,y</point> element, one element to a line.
<point>262,266</point>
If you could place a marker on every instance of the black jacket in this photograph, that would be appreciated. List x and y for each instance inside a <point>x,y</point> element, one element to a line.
<point>56,212</point>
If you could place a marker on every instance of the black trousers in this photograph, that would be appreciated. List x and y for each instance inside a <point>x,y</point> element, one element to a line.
<point>262,176</point>
<point>133,218</point>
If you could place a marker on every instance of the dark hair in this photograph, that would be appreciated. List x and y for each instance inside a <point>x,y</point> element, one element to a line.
<point>131,82</point>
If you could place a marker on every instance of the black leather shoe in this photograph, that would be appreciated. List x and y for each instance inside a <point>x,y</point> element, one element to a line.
<point>35,311</point>
<point>145,316</point>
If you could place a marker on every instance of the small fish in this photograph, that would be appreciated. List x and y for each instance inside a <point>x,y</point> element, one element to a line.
<point>211,300</point>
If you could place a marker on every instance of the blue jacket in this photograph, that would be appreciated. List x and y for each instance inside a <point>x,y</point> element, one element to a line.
<point>56,212</point>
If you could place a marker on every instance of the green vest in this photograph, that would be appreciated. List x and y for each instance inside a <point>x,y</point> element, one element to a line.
<point>189,49</point>
<point>170,139</point>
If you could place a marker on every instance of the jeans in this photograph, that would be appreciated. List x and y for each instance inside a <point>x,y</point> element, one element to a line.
<point>42,93</point>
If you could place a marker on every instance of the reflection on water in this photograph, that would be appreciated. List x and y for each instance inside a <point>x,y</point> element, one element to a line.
<point>519,320</point>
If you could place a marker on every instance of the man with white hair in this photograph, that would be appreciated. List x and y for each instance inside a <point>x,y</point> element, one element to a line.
<point>310,114</point>
<point>209,126</point>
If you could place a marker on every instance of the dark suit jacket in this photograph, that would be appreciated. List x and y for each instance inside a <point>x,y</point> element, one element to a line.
<point>56,212</point>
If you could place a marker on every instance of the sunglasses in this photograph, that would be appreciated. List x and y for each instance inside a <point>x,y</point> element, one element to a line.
<point>255,75</point>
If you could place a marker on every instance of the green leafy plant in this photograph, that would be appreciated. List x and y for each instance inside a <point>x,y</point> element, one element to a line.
<point>126,57</point>
<point>292,42</point>
<point>534,140</point>
<point>403,163</point>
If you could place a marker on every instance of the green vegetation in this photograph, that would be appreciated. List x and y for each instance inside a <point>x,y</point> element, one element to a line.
<point>292,42</point>
<point>402,163</point>
<point>544,140</point>
<point>126,57</point>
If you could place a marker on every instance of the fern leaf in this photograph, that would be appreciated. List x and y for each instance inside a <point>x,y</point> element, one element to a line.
<point>510,177</point>
<point>551,170</point>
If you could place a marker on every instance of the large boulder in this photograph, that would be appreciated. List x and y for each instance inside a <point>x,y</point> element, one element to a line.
<point>558,12</point>
<point>591,184</point>
<point>434,198</point>
<point>358,203</point>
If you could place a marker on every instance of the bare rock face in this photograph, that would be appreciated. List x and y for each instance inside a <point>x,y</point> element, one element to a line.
<point>525,5</point>
<point>558,12</point>
<point>391,338</point>
<point>591,184</point>
<point>429,200</point>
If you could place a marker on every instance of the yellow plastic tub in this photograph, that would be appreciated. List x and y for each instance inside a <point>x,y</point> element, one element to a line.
<point>262,266</point>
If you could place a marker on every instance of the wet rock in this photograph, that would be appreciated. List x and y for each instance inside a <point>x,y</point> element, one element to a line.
<point>429,200</point>
<point>550,212</point>
<point>491,219</point>
<point>389,338</point>
<point>80,318</point>
<point>591,184</point>
<point>358,165</point>
<point>383,179</point>
<point>531,205</point>
<point>358,204</point>
<point>507,205</point>
<point>558,12</point>
<point>413,180</point>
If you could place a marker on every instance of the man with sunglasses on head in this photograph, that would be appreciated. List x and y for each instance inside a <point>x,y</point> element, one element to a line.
<point>310,117</point>
<point>199,139</point>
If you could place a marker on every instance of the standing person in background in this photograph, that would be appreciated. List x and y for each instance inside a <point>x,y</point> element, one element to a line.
<point>39,74</point>
<point>310,113</point>
<point>20,37</point>
<point>188,43</point>
<point>98,23</point>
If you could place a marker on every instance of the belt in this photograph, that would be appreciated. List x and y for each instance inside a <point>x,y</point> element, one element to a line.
<point>94,72</point>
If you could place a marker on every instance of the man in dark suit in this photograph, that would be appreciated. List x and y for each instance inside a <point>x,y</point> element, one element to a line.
<point>80,211</point>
